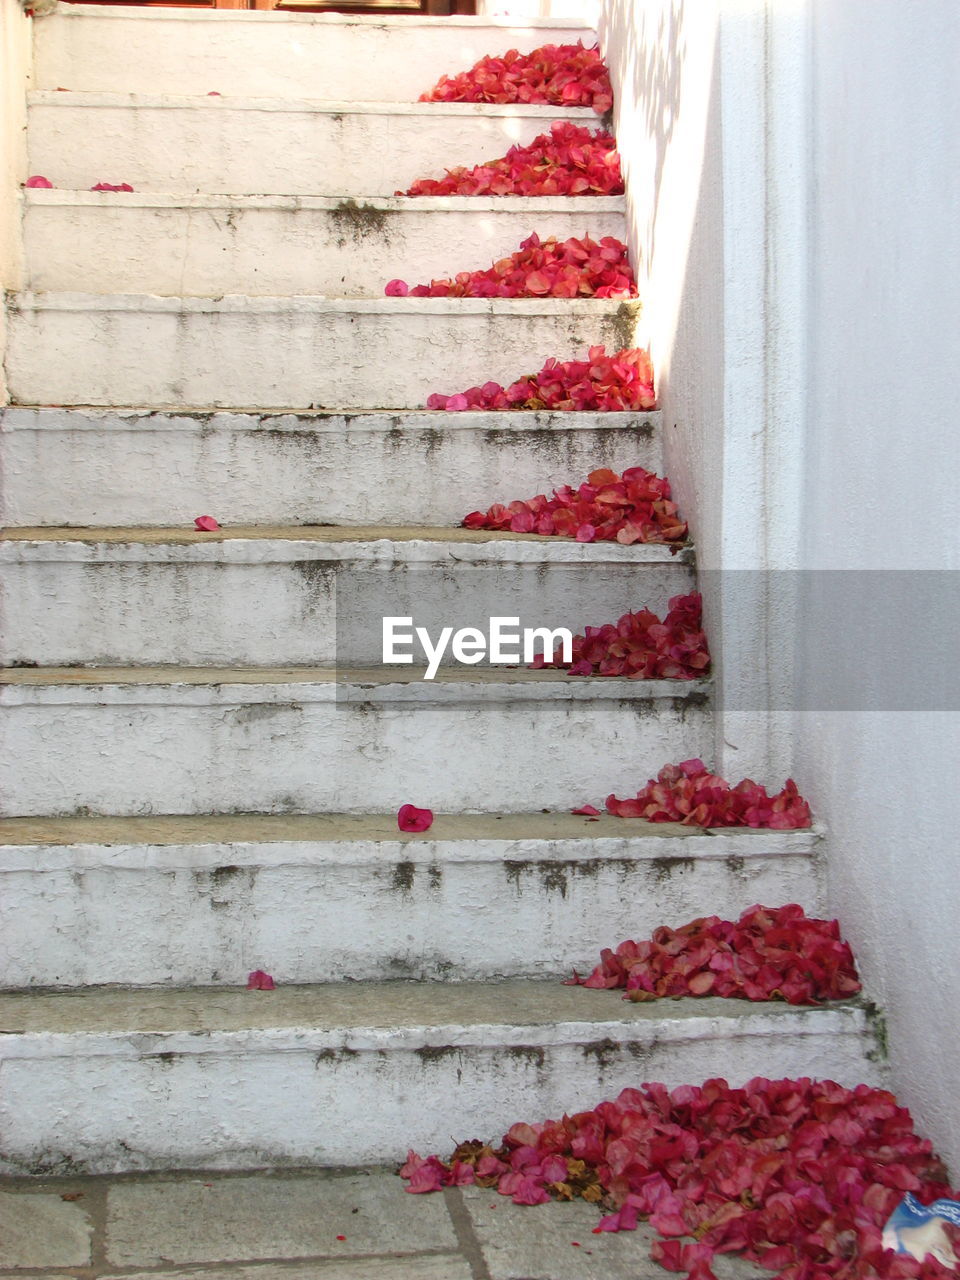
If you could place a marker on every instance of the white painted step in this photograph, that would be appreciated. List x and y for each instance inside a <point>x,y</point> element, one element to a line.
<point>134,467</point>
<point>262,146</point>
<point>274,55</point>
<point>203,901</point>
<point>290,353</point>
<point>100,242</point>
<point>183,740</point>
<point>274,596</point>
<point>356,1073</point>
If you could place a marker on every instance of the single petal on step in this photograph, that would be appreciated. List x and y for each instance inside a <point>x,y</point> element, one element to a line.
<point>206,523</point>
<point>410,818</point>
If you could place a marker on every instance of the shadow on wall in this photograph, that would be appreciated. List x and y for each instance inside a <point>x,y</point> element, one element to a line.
<point>647,59</point>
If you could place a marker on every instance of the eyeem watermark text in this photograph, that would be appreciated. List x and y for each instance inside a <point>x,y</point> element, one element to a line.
<point>500,643</point>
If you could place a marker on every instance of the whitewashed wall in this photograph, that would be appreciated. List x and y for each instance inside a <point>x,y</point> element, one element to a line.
<point>15,62</point>
<point>794,196</point>
<point>883,435</point>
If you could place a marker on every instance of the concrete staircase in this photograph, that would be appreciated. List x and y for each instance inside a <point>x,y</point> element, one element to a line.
<point>199,770</point>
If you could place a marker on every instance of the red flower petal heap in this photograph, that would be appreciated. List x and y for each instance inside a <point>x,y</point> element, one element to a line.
<point>634,507</point>
<point>641,647</point>
<point>599,384</point>
<point>770,953</point>
<point>798,1176</point>
<point>567,75</point>
<point>689,794</point>
<point>573,268</point>
<point>567,161</point>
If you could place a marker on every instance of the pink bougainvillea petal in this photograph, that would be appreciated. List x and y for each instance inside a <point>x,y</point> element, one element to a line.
<point>596,511</point>
<point>586,809</point>
<point>562,268</point>
<point>567,161</point>
<point>641,647</point>
<point>689,794</point>
<point>602,383</point>
<point>206,523</point>
<point>756,1171</point>
<point>37,180</point>
<point>410,818</point>
<point>260,981</point>
<point>112,186</point>
<point>770,953</point>
<point>568,75</point>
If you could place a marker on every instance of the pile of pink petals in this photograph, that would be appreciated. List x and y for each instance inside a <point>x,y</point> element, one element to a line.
<point>567,161</point>
<point>600,384</point>
<point>641,647</point>
<point>770,953</point>
<point>628,508</point>
<point>687,793</point>
<point>797,1176</point>
<point>574,268</point>
<point>561,75</point>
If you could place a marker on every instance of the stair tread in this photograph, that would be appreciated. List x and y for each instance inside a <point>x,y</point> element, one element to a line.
<point>412,204</point>
<point>519,1007</point>
<point>267,304</point>
<point>318,106</point>
<point>488,828</point>
<point>293,17</point>
<point>560,683</point>
<point>35,417</point>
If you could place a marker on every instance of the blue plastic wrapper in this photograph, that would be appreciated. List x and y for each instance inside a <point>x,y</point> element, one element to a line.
<point>918,1229</point>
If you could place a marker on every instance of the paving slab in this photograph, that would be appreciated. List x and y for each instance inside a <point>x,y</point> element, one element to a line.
<point>445,1266</point>
<point>262,1217</point>
<point>41,1230</point>
<point>555,1241</point>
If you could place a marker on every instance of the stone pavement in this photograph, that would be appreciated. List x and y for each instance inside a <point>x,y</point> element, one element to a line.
<point>303,1225</point>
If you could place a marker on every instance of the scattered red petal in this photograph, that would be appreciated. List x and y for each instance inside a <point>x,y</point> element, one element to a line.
<point>770,953</point>
<point>566,75</point>
<point>37,180</point>
<point>754,1171</point>
<point>112,186</point>
<point>206,523</point>
<point>597,511</point>
<point>341,1237</point>
<point>601,383</point>
<point>641,647</point>
<point>410,818</point>
<point>689,794</point>
<point>567,161</point>
<point>587,810</point>
<point>260,981</point>
<point>569,268</point>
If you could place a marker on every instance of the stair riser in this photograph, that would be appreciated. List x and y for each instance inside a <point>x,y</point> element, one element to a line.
<point>116,246</point>
<point>272,749</point>
<point>213,145</point>
<point>208,915</point>
<point>65,467</point>
<point>275,56</point>
<point>386,354</point>
<point>273,613</point>
<point>274,1098</point>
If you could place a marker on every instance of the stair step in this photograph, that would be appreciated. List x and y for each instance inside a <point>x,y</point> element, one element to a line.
<point>265,146</point>
<point>211,740</point>
<point>211,245</point>
<point>356,1073</point>
<point>200,901</point>
<point>283,595</point>
<point>290,353</point>
<point>100,466</point>
<point>298,55</point>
